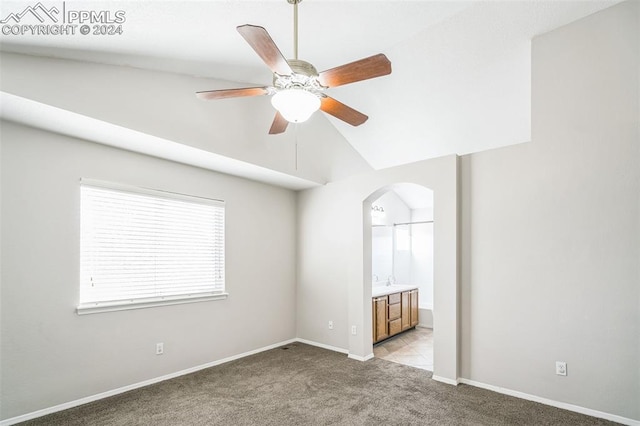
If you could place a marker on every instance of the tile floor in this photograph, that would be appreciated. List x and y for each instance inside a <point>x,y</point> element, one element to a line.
<point>413,347</point>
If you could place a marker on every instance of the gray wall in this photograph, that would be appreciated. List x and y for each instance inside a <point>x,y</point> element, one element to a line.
<point>550,243</point>
<point>551,235</point>
<point>334,258</point>
<point>550,251</point>
<point>49,354</point>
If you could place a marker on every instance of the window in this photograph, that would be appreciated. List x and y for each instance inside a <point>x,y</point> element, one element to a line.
<point>142,248</point>
<point>403,239</point>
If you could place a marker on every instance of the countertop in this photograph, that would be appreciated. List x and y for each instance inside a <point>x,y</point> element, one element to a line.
<point>383,290</point>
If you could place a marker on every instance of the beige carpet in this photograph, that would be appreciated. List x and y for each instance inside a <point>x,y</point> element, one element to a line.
<point>304,385</point>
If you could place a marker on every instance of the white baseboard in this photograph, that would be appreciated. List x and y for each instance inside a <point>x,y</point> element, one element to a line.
<point>85,400</point>
<point>322,345</point>
<point>517,394</point>
<point>557,404</point>
<point>445,380</point>
<point>361,358</point>
<point>335,349</point>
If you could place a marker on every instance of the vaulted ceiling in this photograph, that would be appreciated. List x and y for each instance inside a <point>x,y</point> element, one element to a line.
<point>460,83</point>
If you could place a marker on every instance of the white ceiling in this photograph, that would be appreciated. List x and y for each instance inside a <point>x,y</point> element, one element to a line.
<point>461,70</point>
<point>414,196</point>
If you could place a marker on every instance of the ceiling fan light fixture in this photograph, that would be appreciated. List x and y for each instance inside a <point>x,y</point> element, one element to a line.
<point>295,104</point>
<point>298,88</point>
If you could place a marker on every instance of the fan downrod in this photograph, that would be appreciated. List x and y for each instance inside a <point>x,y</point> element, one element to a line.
<point>295,4</point>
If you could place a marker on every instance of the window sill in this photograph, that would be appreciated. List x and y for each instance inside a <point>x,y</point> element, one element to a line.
<point>100,307</point>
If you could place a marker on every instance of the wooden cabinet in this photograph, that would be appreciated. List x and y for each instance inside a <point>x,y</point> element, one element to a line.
<point>394,313</point>
<point>413,296</point>
<point>406,310</point>
<point>395,327</point>
<point>380,321</point>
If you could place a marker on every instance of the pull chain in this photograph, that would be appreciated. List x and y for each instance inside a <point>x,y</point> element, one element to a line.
<point>296,136</point>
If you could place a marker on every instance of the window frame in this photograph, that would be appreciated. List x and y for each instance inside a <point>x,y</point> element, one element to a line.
<point>92,307</point>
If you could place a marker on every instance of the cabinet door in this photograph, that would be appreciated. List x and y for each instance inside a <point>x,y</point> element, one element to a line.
<point>380,330</point>
<point>373,320</point>
<point>406,310</point>
<point>394,327</point>
<point>394,311</point>
<point>414,308</point>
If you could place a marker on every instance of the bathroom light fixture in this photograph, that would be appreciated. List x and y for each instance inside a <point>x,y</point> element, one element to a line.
<point>377,212</point>
<point>295,104</point>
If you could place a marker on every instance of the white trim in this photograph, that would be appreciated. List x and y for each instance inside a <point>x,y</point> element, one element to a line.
<point>336,349</point>
<point>517,394</point>
<point>551,402</point>
<point>361,358</point>
<point>99,307</point>
<point>321,345</point>
<point>446,380</point>
<point>102,395</point>
<point>117,186</point>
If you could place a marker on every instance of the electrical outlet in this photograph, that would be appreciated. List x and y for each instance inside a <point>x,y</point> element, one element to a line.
<point>354,330</point>
<point>330,325</point>
<point>159,348</point>
<point>561,368</point>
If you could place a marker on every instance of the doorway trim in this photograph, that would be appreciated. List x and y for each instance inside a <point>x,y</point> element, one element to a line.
<point>446,281</point>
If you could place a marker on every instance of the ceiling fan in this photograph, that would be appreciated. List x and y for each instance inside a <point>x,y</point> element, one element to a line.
<point>298,89</point>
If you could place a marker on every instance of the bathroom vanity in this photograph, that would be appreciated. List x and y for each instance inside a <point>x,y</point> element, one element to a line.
<point>395,309</point>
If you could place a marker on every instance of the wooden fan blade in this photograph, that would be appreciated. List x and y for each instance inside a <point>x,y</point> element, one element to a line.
<point>341,111</point>
<point>279,124</point>
<point>260,40</point>
<point>232,93</point>
<point>364,69</point>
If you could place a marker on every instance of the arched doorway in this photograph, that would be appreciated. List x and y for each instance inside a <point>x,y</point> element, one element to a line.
<point>445,278</point>
<point>402,275</point>
<point>401,256</point>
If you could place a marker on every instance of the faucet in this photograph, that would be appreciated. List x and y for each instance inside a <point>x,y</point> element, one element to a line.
<point>376,278</point>
<point>390,280</point>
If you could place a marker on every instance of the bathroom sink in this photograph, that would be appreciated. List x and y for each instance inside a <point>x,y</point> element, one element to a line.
<point>383,290</point>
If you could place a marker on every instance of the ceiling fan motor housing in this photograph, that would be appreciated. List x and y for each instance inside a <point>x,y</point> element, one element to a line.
<point>304,76</point>
<point>302,67</point>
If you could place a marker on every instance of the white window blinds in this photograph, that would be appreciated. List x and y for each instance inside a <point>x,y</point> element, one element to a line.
<point>147,247</point>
